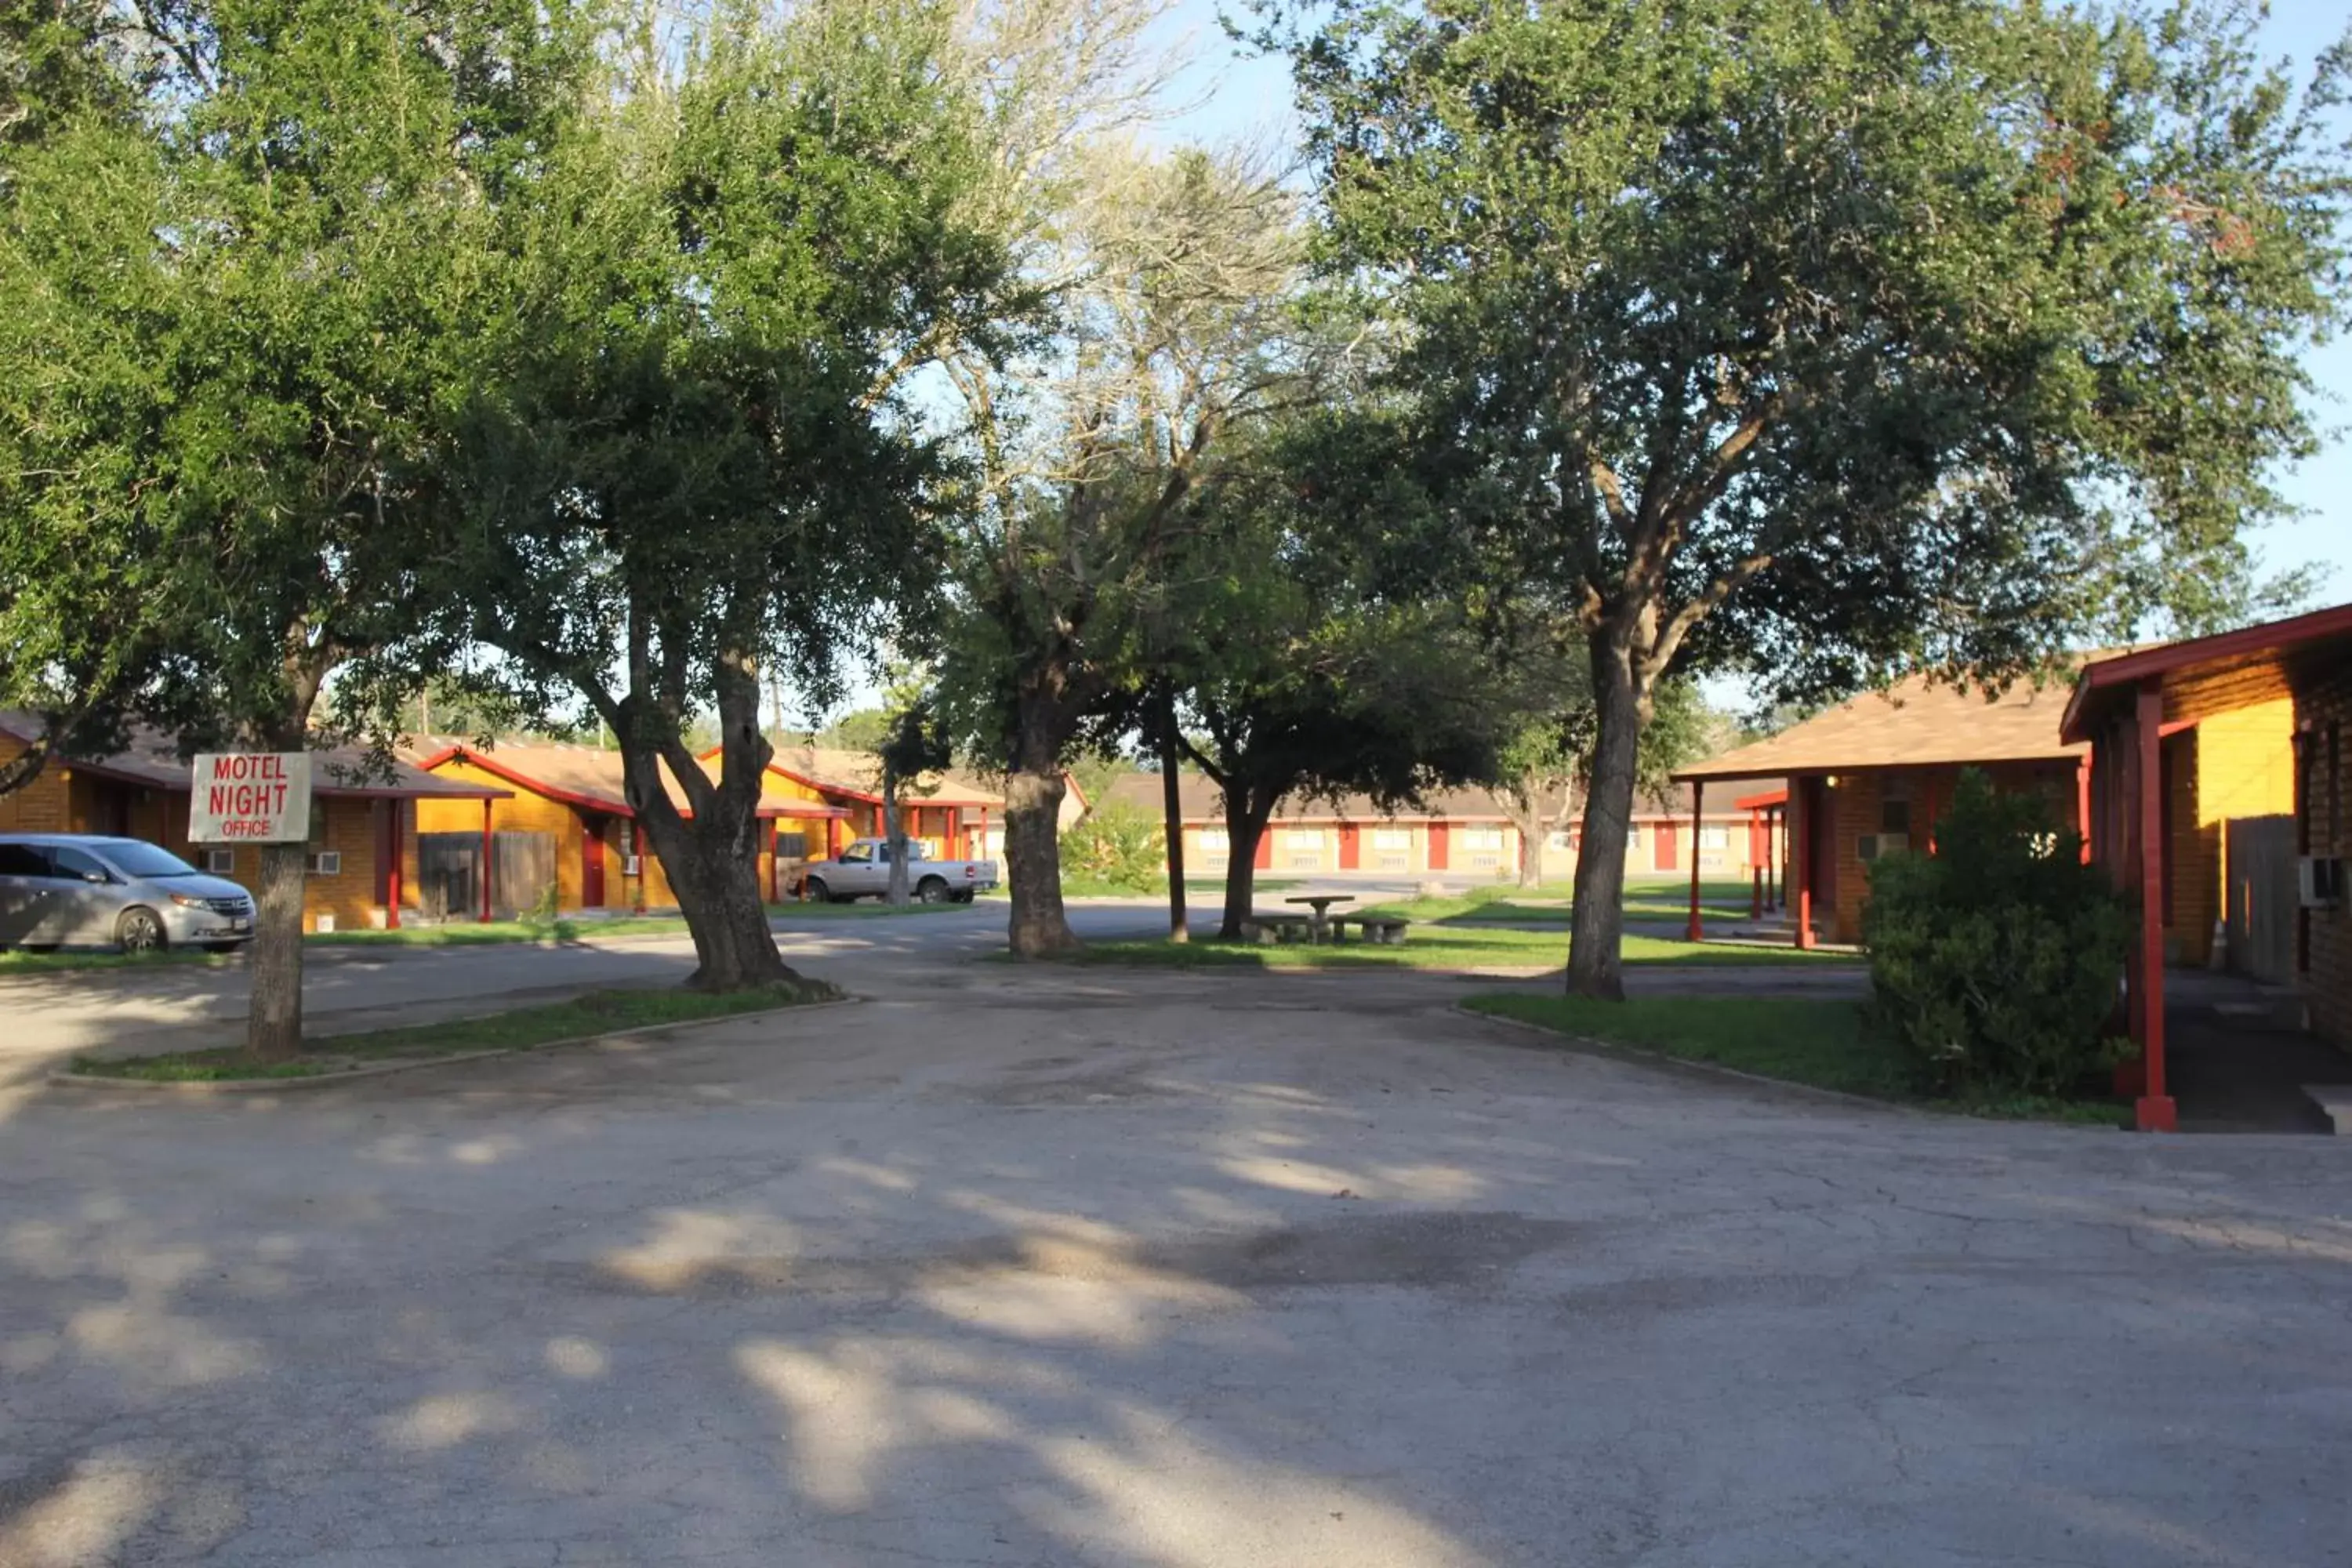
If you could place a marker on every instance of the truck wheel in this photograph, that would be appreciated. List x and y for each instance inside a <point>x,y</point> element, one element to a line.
<point>964,897</point>
<point>932,890</point>
<point>818,892</point>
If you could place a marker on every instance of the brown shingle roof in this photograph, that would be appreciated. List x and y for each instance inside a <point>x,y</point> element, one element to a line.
<point>1910,724</point>
<point>153,761</point>
<point>859,774</point>
<point>585,775</point>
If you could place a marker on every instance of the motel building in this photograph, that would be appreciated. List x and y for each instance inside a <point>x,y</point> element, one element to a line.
<point>2210,776</point>
<point>363,863</point>
<point>1460,832</point>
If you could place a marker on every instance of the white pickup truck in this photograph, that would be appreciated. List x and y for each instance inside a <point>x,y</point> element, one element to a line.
<point>863,870</point>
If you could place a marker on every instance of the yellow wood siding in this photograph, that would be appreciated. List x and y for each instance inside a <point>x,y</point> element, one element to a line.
<point>524,812</point>
<point>2234,765</point>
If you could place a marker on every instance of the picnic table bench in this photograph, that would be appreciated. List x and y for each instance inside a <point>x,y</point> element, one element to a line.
<point>1380,930</point>
<point>1278,927</point>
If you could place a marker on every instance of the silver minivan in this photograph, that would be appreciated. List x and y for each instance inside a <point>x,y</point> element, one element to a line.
<point>77,889</point>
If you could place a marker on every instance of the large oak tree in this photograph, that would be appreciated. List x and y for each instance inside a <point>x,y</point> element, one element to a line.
<point>1826,339</point>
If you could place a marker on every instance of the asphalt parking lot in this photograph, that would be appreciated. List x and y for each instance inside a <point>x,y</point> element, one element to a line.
<point>1011,1266</point>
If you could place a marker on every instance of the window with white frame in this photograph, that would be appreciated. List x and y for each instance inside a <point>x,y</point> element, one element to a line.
<point>1216,844</point>
<point>1714,838</point>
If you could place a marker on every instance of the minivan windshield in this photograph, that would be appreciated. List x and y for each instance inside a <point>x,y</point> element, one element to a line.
<point>134,858</point>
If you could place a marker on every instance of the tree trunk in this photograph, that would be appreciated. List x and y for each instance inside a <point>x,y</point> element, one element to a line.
<point>715,872</point>
<point>1596,924</point>
<point>894,834</point>
<point>1040,926</point>
<point>1043,724</point>
<point>713,858</point>
<point>273,1025</point>
<point>1171,804</point>
<point>1520,805</point>
<point>1245,828</point>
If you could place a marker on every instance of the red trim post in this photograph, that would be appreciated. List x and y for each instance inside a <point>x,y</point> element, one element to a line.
<point>490,853</point>
<point>2083,805</point>
<point>1801,855</point>
<point>2155,1111</point>
<point>392,871</point>
<point>1696,931</point>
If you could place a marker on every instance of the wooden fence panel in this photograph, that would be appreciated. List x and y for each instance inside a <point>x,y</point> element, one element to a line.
<point>2262,898</point>
<point>449,872</point>
<point>522,870</point>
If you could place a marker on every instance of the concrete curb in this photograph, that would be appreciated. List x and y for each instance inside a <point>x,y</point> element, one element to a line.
<point>203,1087</point>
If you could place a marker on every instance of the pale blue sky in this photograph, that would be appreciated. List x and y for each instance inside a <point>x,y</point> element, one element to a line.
<point>1231,97</point>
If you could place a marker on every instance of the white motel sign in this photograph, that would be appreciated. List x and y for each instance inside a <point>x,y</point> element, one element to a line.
<point>251,798</point>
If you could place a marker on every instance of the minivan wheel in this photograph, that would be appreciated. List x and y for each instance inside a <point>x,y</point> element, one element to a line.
<point>139,931</point>
<point>932,891</point>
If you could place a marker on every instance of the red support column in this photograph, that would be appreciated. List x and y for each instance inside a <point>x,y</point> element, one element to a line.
<point>392,871</point>
<point>1801,855</point>
<point>2083,805</point>
<point>1755,864</point>
<point>2155,1111</point>
<point>489,860</point>
<point>1696,931</point>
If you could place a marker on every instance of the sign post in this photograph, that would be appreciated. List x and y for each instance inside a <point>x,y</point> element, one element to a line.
<point>250,797</point>
<point>263,798</point>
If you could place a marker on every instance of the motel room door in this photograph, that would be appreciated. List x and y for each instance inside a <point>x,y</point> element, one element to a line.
<point>1668,842</point>
<point>592,862</point>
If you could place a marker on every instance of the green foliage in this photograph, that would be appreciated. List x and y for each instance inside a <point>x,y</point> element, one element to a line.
<point>541,917</point>
<point>1996,960</point>
<point>1838,328</point>
<point>859,729</point>
<point>1117,845</point>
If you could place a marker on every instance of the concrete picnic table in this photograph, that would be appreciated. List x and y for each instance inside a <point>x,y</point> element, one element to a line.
<point>1320,924</point>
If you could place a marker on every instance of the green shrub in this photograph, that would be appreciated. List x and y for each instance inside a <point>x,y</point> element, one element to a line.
<point>1995,960</point>
<point>1117,845</point>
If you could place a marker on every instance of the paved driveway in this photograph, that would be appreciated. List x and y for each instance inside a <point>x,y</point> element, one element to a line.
<point>1177,1271</point>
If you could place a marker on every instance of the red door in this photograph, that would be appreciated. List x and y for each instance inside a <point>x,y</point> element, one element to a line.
<point>592,862</point>
<point>1668,841</point>
<point>1351,854</point>
<point>1439,850</point>
<point>1265,861</point>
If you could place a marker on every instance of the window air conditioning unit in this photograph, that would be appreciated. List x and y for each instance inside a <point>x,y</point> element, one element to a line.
<point>326,863</point>
<point>2319,881</point>
<point>1871,845</point>
<point>220,862</point>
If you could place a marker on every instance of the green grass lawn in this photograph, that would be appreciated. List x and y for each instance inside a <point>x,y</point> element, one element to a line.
<point>1442,947</point>
<point>598,1013</point>
<point>17,960</point>
<point>1829,1043</point>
